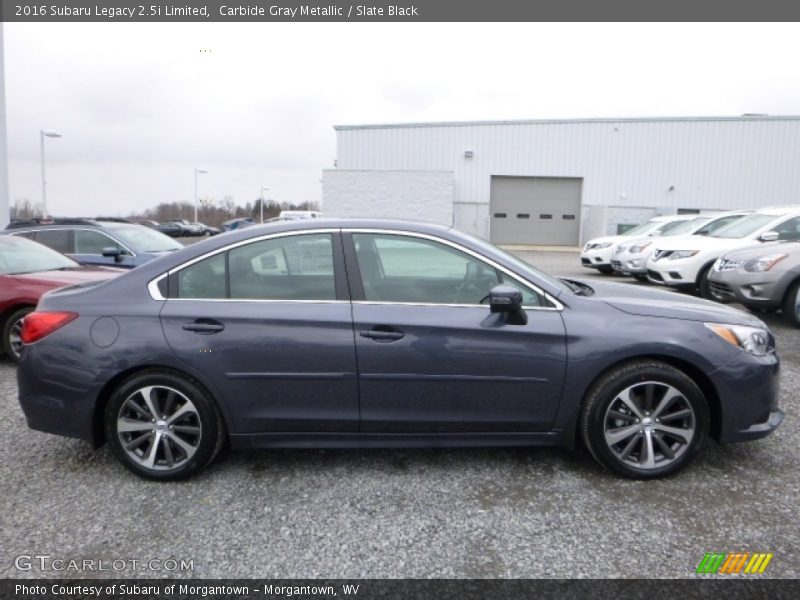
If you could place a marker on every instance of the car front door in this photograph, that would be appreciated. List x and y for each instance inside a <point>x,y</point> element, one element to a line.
<point>90,245</point>
<point>269,323</point>
<point>431,356</point>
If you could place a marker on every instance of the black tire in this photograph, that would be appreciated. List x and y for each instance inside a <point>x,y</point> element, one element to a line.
<point>9,328</point>
<point>703,286</point>
<point>641,277</point>
<point>790,301</point>
<point>606,270</point>
<point>207,233</point>
<point>605,395</point>
<point>203,415</point>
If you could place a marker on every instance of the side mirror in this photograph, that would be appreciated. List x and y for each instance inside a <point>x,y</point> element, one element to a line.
<point>702,232</point>
<point>112,251</point>
<point>507,300</point>
<point>769,236</point>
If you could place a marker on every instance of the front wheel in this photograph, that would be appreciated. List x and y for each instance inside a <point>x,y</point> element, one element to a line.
<point>703,285</point>
<point>606,270</point>
<point>163,426</point>
<point>791,304</point>
<point>12,333</point>
<point>644,419</point>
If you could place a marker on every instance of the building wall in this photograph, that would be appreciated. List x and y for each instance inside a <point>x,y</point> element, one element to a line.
<point>410,195</point>
<point>4,203</point>
<point>658,165</point>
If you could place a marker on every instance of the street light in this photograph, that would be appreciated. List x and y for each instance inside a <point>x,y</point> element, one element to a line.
<point>43,134</point>
<point>196,173</point>
<point>263,189</point>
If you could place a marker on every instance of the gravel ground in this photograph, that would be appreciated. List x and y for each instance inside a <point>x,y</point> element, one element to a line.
<point>406,513</point>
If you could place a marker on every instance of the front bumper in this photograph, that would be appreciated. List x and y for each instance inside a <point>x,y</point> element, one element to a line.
<point>750,289</point>
<point>629,264</point>
<point>594,259</point>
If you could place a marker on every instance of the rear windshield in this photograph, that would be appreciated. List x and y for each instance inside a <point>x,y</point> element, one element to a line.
<point>19,255</point>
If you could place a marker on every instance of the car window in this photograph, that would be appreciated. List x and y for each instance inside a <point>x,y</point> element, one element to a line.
<point>18,256</point>
<point>298,267</point>
<point>57,239</point>
<point>398,268</point>
<point>93,242</point>
<point>744,227</point>
<point>667,227</point>
<point>143,239</point>
<point>720,223</point>
<point>789,229</point>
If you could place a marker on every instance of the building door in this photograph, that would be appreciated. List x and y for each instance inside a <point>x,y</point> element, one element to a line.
<point>536,210</point>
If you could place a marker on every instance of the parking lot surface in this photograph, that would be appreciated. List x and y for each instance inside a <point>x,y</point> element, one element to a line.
<point>405,513</point>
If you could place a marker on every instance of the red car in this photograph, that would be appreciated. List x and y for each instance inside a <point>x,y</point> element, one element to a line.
<point>28,270</point>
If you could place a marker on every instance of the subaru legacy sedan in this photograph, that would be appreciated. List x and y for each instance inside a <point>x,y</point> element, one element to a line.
<point>337,333</point>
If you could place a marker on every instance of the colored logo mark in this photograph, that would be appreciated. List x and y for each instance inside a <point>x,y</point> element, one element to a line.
<point>734,562</point>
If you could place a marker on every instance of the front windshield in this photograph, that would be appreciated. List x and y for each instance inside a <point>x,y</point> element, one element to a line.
<point>643,229</point>
<point>744,227</point>
<point>20,255</point>
<point>688,227</point>
<point>521,265</point>
<point>143,239</point>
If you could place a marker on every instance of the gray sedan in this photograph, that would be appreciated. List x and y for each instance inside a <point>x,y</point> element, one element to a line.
<point>764,278</point>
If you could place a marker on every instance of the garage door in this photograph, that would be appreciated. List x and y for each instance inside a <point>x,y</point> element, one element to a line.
<point>535,210</point>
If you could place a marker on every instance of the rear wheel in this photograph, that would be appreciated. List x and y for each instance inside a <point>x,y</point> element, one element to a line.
<point>163,426</point>
<point>12,333</point>
<point>791,304</point>
<point>644,419</point>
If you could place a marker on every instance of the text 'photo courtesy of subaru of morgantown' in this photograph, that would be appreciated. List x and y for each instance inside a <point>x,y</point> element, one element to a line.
<point>321,333</point>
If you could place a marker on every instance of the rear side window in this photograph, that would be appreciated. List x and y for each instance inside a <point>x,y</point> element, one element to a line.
<point>298,267</point>
<point>57,239</point>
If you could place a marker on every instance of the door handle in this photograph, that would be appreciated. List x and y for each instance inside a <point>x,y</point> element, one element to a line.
<point>382,334</point>
<point>206,327</point>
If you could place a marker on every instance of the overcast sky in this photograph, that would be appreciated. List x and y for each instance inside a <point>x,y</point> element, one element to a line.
<point>140,106</point>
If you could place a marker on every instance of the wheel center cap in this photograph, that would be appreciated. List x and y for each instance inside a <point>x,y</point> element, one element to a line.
<point>647,424</point>
<point>161,425</point>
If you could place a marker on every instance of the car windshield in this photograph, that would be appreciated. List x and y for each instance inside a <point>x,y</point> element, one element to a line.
<point>744,227</point>
<point>20,255</point>
<point>643,229</point>
<point>143,239</point>
<point>521,264</point>
<point>687,227</point>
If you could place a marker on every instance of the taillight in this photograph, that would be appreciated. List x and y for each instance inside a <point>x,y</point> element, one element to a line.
<point>40,324</point>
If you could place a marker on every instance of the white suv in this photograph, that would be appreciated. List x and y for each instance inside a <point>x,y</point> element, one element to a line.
<point>596,253</point>
<point>630,257</point>
<point>684,262</point>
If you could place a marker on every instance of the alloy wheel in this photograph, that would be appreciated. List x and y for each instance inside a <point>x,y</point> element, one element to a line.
<point>15,338</point>
<point>159,427</point>
<point>649,425</point>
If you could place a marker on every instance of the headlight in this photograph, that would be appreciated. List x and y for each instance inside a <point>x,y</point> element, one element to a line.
<point>638,248</point>
<point>676,254</point>
<point>764,263</point>
<point>755,340</point>
<point>602,245</point>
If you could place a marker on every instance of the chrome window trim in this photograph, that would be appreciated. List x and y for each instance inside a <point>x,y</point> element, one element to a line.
<point>155,293</point>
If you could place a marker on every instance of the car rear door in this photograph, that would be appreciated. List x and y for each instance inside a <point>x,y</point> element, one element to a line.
<point>431,357</point>
<point>268,321</point>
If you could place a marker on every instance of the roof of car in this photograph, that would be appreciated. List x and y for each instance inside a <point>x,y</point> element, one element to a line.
<point>65,221</point>
<point>779,210</point>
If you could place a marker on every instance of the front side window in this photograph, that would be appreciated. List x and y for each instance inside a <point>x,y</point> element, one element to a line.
<point>93,242</point>
<point>789,230</point>
<point>405,269</point>
<point>298,267</point>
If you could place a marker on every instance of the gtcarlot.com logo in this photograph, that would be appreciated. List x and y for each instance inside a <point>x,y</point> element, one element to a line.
<point>732,563</point>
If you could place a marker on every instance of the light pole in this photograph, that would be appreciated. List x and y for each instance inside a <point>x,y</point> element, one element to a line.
<point>43,134</point>
<point>263,189</point>
<point>196,173</point>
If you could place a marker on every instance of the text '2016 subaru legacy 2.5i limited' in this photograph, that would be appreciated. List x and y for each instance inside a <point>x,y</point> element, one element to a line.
<point>336,333</point>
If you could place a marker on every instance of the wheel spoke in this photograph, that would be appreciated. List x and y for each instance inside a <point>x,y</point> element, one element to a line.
<point>182,411</point>
<point>663,446</point>
<point>131,425</point>
<point>138,441</point>
<point>168,451</point>
<point>147,394</point>
<point>647,458</point>
<point>185,446</point>
<point>150,459</point>
<point>168,402</point>
<point>620,415</point>
<point>188,429</point>
<point>679,414</point>
<point>615,436</point>
<point>649,393</point>
<point>684,435</point>
<point>627,400</point>
<point>137,408</point>
<point>626,452</point>
<point>667,400</point>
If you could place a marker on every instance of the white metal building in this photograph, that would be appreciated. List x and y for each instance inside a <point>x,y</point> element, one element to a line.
<point>4,204</point>
<point>561,182</point>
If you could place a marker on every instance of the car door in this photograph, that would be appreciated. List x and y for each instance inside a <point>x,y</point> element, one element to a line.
<point>431,357</point>
<point>89,245</point>
<point>269,323</point>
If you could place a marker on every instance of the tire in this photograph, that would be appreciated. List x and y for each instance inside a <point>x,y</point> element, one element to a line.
<point>791,304</point>
<point>207,233</point>
<point>606,270</point>
<point>641,277</point>
<point>186,441</point>
<point>11,330</point>
<point>643,445</point>
<point>703,287</point>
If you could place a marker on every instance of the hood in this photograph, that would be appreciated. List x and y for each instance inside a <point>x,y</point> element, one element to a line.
<point>700,242</point>
<point>602,240</point>
<point>649,302</point>
<point>68,277</point>
<point>760,249</point>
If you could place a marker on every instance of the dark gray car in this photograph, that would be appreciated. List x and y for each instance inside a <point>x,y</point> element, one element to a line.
<point>336,333</point>
<point>764,278</point>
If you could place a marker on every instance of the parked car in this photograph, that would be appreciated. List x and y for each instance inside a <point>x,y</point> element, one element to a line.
<point>116,243</point>
<point>205,230</point>
<point>187,228</point>
<point>765,278</point>
<point>685,262</point>
<point>171,229</point>
<point>287,215</point>
<point>150,224</point>
<point>630,257</point>
<point>249,338</point>
<point>239,223</point>
<point>596,253</point>
<point>27,270</point>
